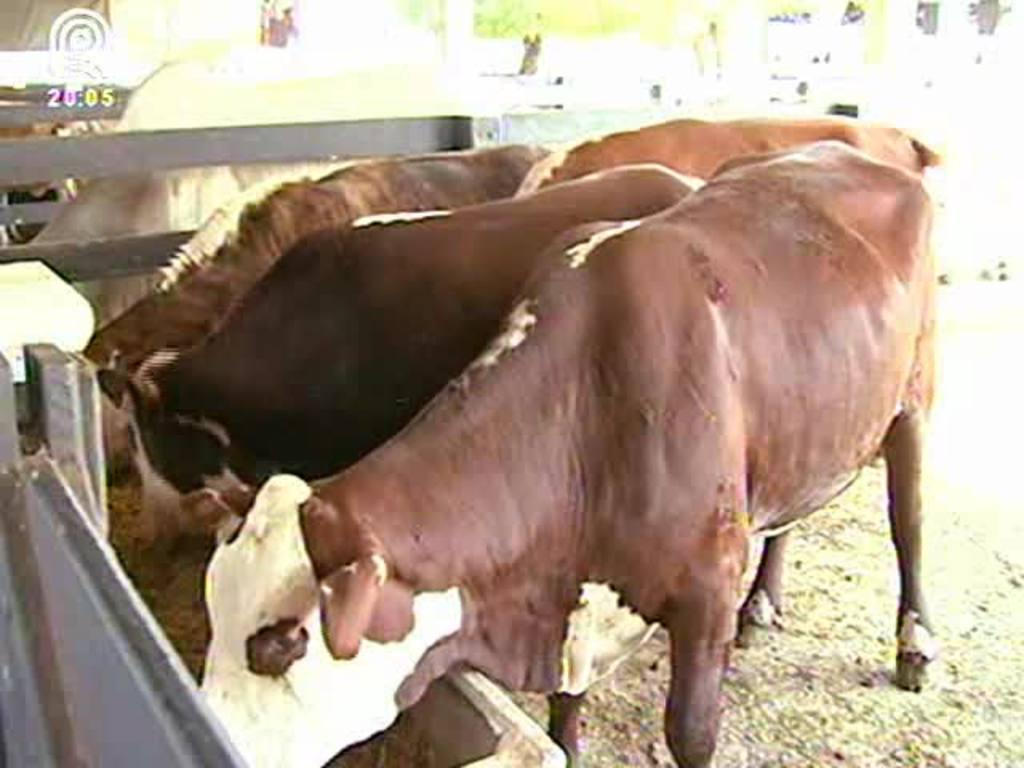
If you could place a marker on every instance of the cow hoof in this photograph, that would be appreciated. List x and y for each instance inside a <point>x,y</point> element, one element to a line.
<point>911,672</point>
<point>758,615</point>
<point>916,648</point>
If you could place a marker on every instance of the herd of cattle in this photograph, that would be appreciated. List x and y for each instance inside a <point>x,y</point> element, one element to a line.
<point>539,404</point>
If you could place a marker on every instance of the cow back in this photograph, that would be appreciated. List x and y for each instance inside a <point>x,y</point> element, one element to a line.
<point>699,147</point>
<point>369,322</point>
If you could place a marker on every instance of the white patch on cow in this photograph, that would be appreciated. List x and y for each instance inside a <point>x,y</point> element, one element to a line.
<point>761,612</point>
<point>517,328</point>
<point>396,218</point>
<point>542,170</point>
<point>915,639</point>
<point>577,255</point>
<point>147,370</point>
<point>321,705</point>
<point>600,636</point>
<point>693,182</point>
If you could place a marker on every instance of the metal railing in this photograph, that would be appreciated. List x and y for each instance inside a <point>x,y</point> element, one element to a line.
<point>88,677</point>
<point>41,160</point>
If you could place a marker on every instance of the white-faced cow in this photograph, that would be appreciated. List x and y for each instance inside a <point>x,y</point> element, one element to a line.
<point>698,147</point>
<point>349,335</point>
<point>661,392</point>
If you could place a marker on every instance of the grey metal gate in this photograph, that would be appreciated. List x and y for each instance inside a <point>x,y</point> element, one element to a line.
<point>86,676</point>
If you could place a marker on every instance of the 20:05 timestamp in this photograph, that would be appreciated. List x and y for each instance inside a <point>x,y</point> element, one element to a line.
<point>84,97</point>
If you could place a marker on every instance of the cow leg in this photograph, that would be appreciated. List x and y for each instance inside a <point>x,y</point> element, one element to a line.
<point>701,632</point>
<point>916,646</point>
<point>763,606</point>
<point>564,724</point>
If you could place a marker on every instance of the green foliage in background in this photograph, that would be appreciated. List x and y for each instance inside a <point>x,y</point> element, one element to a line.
<point>657,21</point>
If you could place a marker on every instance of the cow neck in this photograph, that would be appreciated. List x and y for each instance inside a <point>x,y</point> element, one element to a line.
<point>471,487</point>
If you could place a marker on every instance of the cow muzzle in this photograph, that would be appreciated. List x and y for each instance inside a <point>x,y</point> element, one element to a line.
<point>209,511</point>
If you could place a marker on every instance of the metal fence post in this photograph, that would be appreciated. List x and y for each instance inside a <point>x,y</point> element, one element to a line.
<point>9,450</point>
<point>24,736</point>
<point>66,406</point>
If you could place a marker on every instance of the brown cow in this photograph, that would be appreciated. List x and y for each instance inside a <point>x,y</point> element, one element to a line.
<point>355,328</point>
<point>242,240</point>
<point>698,147</point>
<point>704,149</point>
<point>662,391</point>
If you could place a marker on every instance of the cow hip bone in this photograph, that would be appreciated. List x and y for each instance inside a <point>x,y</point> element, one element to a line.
<point>320,705</point>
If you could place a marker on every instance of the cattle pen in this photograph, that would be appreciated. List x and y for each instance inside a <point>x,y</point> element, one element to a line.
<point>105,637</point>
<point>99,650</point>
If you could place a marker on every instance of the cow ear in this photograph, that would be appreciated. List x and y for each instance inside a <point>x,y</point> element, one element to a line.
<point>115,384</point>
<point>358,601</point>
<point>392,617</point>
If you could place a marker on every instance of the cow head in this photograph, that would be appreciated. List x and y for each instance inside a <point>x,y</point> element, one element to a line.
<point>181,460</point>
<point>301,664</point>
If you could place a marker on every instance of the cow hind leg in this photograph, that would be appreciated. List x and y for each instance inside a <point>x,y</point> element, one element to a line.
<point>762,608</point>
<point>916,645</point>
<point>564,724</point>
<point>701,634</point>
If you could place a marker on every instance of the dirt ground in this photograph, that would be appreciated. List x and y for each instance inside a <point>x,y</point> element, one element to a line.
<point>819,692</point>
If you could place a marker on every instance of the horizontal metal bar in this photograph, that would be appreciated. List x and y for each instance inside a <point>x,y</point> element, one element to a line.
<point>32,114</point>
<point>95,156</point>
<point>28,213</point>
<point>96,259</point>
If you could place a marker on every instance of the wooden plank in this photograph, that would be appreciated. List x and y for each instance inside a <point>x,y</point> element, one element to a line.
<point>96,259</point>
<point>28,213</point>
<point>95,156</point>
